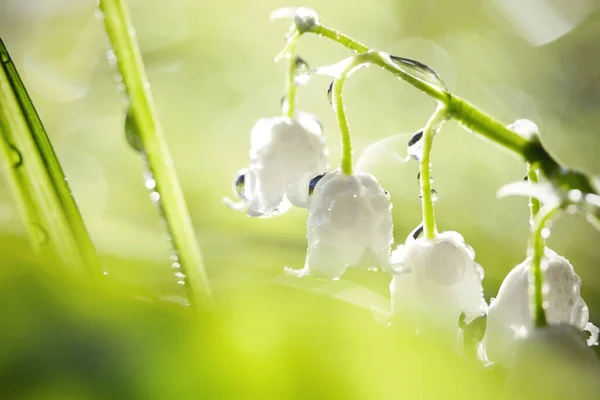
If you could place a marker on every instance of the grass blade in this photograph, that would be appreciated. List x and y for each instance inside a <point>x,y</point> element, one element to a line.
<point>142,116</point>
<point>44,199</point>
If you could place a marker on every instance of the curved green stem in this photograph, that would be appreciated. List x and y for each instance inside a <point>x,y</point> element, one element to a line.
<point>121,34</point>
<point>340,113</point>
<point>429,132</point>
<point>536,277</point>
<point>290,84</point>
<point>475,120</point>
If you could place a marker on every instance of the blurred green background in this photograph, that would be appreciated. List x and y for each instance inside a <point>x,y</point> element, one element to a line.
<point>212,74</point>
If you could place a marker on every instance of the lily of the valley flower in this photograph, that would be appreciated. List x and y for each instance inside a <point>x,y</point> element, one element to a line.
<point>439,280</point>
<point>509,316</point>
<point>285,155</point>
<point>350,222</point>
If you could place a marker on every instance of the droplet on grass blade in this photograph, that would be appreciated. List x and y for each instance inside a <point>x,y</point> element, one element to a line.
<point>132,133</point>
<point>15,156</point>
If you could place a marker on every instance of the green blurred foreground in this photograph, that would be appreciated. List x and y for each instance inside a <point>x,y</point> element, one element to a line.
<point>210,66</point>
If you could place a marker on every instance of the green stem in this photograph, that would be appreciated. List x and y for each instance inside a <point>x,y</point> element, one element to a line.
<point>290,84</point>
<point>429,132</point>
<point>534,204</point>
<point>121,34</point>
<point>44,198</point>
<point>475,120</point>
<point>538,247</point>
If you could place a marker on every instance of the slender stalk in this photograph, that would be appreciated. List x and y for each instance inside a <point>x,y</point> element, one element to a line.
<point>536,277</point>
<point>474,120</point>
<point>429,132</point>
<point>340,112</point>
<point>129,62</point>
<point>290,83</point>
<point>534,204</point>
<point>44,199</point>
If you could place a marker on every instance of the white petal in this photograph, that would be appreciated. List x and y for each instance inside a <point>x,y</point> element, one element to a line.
<point>349,217</point>
<point>511,307</point>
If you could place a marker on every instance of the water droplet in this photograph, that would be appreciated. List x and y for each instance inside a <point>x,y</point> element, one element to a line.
<point>417,231</point>
<point>39,233</point>
<point>239,183</point>
<point>434,195</point>
<point>155,196</point>
<point>545,289</point>
<point>150,184</point>
<point>180,275</point>
<point>545,233</point>
<point>302,79</point>
<point>415,146</point>
<point>176,265</point>
<point>545,305</point>
<point>419,70</point>
<point>174,257</point>
<point>132,133</point>
<point>131,31</point>
<point>15,156</point>
<point>99,14</point>
<point>284,104</point>
<point>575,196</point>
<point>330,93</point>
<point>111,57</point>
<point>105,273</point>
<point>181,283</point>
<point>301,64</point>
<point>313,183</point>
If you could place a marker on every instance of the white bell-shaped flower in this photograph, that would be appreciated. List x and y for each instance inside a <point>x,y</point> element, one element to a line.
<point>285,155</point>
<point>509,316</point>
<point>439,281</point>
<point>349,224</point>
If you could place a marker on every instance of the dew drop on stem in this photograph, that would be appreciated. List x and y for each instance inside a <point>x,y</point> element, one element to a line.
<point>132,133</point>
<point>418,70</point>
<point>414,146</point>
<point>330,93</point>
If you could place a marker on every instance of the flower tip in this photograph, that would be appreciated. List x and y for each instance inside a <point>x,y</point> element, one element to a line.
<point>593,331</point>
<point>238,206</point>
<point>296,273</point>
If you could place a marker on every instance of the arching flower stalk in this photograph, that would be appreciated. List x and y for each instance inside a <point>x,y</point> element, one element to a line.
<point>439,279</point>
<point>350,220</point>
<point>286,152</point>
<point>544,289</point>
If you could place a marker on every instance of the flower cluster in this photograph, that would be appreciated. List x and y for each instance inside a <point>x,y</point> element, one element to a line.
<point>436,283</point>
